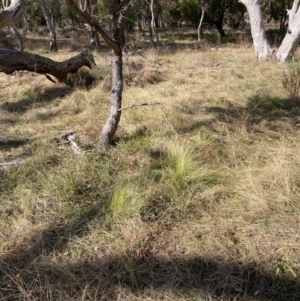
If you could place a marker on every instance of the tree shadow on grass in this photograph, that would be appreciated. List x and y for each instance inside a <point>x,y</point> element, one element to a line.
<point>276,112</point>
<point>36,98</point>
<point>13,143</point>
<point>261,113</point>
<point>104,276</point>
<point>22,260</point>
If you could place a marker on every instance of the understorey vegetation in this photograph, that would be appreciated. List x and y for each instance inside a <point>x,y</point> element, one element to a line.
<point>198,199</point>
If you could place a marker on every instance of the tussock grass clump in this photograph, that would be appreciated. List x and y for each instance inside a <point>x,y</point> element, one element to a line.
<point>197,200</point>
<point>291,78</point>
<point>83,78</point>
<point>126,202</point>
<point>180,167</point>
<point>144,71</point>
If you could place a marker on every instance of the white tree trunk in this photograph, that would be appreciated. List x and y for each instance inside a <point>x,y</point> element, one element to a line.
<point>153,26</point>
<point>258,32</point>
<point>200,26</point>
<point>292,38</point>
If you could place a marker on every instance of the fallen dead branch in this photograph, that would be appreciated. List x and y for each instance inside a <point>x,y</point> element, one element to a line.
<point>12,60</point>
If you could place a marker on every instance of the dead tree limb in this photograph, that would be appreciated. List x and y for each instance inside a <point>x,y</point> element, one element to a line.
<point>12,60</point>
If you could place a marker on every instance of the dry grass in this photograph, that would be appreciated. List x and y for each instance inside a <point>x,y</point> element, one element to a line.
<point>198,199</point>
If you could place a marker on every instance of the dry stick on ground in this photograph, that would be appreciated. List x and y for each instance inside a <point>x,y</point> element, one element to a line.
<point>153,104</point>
<point>69,137</point>
<point>12,164</point>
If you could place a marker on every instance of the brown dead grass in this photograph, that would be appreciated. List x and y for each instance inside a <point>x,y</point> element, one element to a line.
<point>208,212</point>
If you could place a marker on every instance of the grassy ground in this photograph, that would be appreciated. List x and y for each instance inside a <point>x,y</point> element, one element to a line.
<point>198,199</point>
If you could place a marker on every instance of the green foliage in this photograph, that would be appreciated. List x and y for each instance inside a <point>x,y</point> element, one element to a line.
<point>190,11</point>
<point>126,202</point>
<point>284,267</point>
<point>291,78</point>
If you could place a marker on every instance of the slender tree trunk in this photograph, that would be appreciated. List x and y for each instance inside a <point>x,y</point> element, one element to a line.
<point>94,39</point>
<point>153,25</point>
<point>89,7</point>
<point>50,25</point>
<point>111,125</point>
<point>200,26</point>
<point>292,37</point>
<point>19,37</point>
<point>148,20</point>
<point>93,9</point>
<point>260,42</point>
<point>116,43</point>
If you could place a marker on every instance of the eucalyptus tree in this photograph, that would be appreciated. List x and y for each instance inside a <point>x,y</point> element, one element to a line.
<point>116,42</point>
<point>203,6</point>
<point>261,45</point>
<point>292,37</point>
<point>153,4</point>
<point>50,25</point>
<point>215,12</point>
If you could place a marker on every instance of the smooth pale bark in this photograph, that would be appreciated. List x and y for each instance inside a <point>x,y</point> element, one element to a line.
<point>261,46</point>
<point>10,15</point>
<point>50,25</point>
<point>153,25</point>
<point>116,42</point>
<point>12,60</point>
<point>200,26</point>
<point>292,37</point>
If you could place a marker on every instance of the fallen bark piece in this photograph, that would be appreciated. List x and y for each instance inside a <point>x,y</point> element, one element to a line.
<point>74,145</point>
<point>69,138</point>
<point>12,164</point>
<point>12,60</point>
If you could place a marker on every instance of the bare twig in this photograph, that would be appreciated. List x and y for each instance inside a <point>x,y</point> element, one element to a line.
<point>168,120</point>
<point>153,104</point>
<point>141,105</point>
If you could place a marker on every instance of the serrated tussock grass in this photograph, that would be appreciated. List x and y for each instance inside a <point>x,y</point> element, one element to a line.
<point>197,200</point>
<point>180,168</point>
